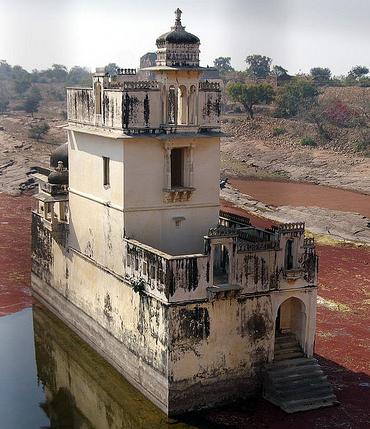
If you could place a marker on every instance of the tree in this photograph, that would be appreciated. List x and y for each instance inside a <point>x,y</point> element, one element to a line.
<point>77,75</point>
<point>249,96</point>
<point>223,64</point>
<point>4,101</point>
<point>358,71</point>
<point>21,84</point>
<point>5,70</point>
<point>111,68</point>
<point>278,70</point>
<point>321,75</point>
<point>32,102</point>
<point>38,130</point>
<point>259,66</point>
<point>299,94</point>
<point>59,72</point>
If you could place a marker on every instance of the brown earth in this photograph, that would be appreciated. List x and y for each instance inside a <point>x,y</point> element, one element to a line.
<point>18,152</point>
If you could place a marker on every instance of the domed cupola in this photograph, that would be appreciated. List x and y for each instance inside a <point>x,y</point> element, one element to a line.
<point>178,48</point>
<point>59,154</point>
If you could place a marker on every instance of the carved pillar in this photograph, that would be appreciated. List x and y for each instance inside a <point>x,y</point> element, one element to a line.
<point>167,168</point>
<point>191,165</point>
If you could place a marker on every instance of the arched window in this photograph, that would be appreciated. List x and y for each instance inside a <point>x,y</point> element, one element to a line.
<point>192,96</point>
<point>289,262</point>
<point>98,99</point>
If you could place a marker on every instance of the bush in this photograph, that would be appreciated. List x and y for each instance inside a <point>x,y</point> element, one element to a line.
<point>38,130</point>
<point>63,114</point>
<point>232,120</point>
<point>238,109</point>
<point>18,107</point>
<point>308,141</point>
<point>361,146</point>
<point>278,131</point>
<point>225,121</point>
<point>340,114</point>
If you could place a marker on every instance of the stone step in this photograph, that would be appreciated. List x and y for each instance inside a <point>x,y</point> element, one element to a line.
<point>297,385</point>
<point>297,379</point>
<point>288,355</point>
<point>286,344</point>
<point>299,403</point>
<point>278,366</point>
<point>319,390</point>
<point>292,375</point>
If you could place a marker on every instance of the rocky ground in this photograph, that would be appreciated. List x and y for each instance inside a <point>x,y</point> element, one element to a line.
<point>247,155</point>
<point>336,225</point>
<point>19,153</point>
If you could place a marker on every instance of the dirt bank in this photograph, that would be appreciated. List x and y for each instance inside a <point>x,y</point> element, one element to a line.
<point>334,224</point>
<point>296,163</point>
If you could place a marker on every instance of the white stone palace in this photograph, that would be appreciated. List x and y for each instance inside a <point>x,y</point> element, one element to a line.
<point>195,307</point>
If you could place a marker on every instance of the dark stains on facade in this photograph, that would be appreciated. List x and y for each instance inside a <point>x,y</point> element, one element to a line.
<point>310,263</point>
<point>146,110</point>
<point>41,248</point>
<point>194,324</point>
<point>256,326</point>
<point>108,307</point>
<point>129,107</point>
<point>212,107</point>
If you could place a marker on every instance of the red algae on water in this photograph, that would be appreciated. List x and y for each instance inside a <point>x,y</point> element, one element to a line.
<point>15,258</point>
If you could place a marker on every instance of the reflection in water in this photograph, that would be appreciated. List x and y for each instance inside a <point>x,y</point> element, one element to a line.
<point>84,391</point>
<point>20,392</point>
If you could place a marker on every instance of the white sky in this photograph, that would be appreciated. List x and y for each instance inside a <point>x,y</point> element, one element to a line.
<point>296,34</point>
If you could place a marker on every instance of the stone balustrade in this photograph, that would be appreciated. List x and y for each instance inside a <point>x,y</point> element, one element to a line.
<point>222,231</point>
<point>235,217</point>
<point>292,227</point>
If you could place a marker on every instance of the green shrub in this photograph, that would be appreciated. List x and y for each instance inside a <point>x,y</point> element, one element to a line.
<point>308,141</point>
<point>361,146</point>
<point>38,130</point>
<point>238,109</point>
<point>232,120</point>
<point>18,107</point>
<point>278,131</point>
<point>225,121</point>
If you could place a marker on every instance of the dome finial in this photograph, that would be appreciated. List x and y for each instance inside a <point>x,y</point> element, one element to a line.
<point>178,18</point>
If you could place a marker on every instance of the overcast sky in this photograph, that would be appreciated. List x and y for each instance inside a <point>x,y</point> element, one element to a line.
<point>296,34</point>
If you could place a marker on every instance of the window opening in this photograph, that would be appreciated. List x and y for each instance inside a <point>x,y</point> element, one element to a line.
<point>220,264</point>
<point>106,172</point>
<point>289,255</point>
<point>177,168</point>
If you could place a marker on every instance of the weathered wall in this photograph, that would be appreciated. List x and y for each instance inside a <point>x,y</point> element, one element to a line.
<point>147,218</point>
<point>128,328</point>
<point>217,350</point>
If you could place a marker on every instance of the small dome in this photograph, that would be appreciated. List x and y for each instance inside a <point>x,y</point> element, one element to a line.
<point>58,177</point>
<point>59,154</point>
<point>177,37</point>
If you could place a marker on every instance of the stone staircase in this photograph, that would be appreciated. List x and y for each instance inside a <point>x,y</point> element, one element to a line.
<point>286,347</point>
<point>295,383</point>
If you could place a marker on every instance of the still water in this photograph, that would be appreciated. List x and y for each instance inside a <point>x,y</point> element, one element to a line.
<point>49,378</point>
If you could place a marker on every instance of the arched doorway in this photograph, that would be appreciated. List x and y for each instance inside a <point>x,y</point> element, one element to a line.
<point>291,318</point>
